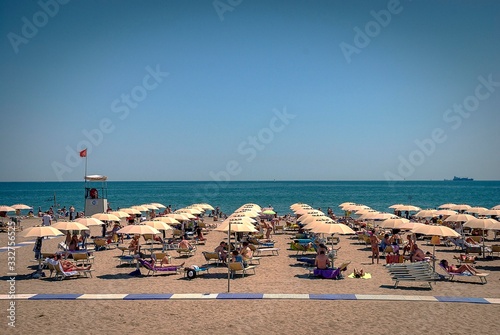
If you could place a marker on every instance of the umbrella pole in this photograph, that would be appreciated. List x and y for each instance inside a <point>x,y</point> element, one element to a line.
<point>229,255</point>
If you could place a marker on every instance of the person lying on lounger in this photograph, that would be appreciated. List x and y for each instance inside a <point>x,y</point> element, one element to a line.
<point>165,263</point>
<point>68,266</point>
<point>461,269</point>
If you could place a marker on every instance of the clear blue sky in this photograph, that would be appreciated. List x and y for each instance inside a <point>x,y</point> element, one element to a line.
<point>357,113</point>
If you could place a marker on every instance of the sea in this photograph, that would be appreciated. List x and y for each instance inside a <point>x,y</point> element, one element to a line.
<point>228,196</point>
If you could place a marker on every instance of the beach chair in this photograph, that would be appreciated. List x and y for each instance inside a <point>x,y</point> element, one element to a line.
<point>211,257</point>
<point>273,251</point>
<point>418,271</point>
<point>186,252</point>
<point>56,269</point>
<point>154,269</point>
<point>495,248</point>
<point>238,267</point>
<point>101,244</point>
<point>465,259</point>
<point>451,275</point>
<point>82,258</point>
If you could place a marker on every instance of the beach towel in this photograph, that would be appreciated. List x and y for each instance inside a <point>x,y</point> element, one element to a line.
<point>366,276</point>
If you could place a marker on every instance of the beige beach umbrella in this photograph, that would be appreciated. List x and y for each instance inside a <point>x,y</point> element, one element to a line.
<point>185,213</point>
<point>130,211</point>
<point>365,211</point>
<point>318,221</point>
<point>138,229</point>
<point>4,208</point>
<point>69,225</point>
<point>157,224</point>
<point>458,218</point>
<point>21,206</point>
<point>188,211</point>
<point>444,212</point>
<point>150,206</point>
<point>333,228</point>
<point>158,205</point>
<point>120,214</point>
<point>308,218</point>
<point>167,220</point>
<point>205,206</point>
<point>384,216</point>
<point>236,225</point>
<point>396,223</point>
<point>491,212</point>
<point>250,214</point>
<point>446,206</point>
<point>396,206</point>
<point>476,210</point>
<point>106,217</point>
<point>40,232</point>
<point>368,216</point>
<point>178,217</point>
<point>410,225</point>
<point>433,230</point>
<point>483,224</point>
<point>496,207</point>
<point>303,211</point>
<point>244,217</point>
<point>461,207</point>
<point>344,204</point>
<point>426,213</point>
<point>408,208</point>
<point>141,208</point>
<point>89,222</point>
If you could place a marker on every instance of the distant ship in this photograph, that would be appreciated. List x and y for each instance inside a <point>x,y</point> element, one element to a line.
<point>455,178</point>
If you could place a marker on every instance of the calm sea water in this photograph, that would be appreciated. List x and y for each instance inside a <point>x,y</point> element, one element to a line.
<point>280,194</point>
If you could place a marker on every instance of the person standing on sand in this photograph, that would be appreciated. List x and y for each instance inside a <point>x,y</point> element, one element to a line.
<point>374,241</point>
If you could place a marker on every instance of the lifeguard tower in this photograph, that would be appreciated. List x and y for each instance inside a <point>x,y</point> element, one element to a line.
<point>96,194</point>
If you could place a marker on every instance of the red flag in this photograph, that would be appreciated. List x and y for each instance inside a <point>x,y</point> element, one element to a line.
<point>83,153</point>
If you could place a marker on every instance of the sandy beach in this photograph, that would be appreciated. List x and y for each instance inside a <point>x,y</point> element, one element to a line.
<point>275,274</point>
